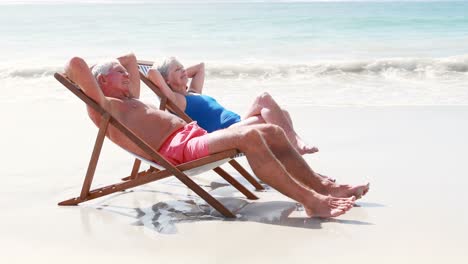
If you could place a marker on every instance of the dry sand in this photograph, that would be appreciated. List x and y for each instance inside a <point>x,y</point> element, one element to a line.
<point>416,212</point>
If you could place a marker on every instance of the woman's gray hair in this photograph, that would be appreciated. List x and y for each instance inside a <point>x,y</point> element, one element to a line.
<point>163,68</point>
<point>103,67</point>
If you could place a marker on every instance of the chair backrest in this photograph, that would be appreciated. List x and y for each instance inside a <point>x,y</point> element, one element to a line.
<point>144,66</point>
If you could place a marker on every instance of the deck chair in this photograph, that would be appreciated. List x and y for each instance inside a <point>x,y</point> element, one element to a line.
<point>166,103</point>
<point>158,170</point>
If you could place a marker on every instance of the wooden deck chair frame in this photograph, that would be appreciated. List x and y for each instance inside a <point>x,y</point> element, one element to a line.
<point>166,103</point>
<point>137,178</point>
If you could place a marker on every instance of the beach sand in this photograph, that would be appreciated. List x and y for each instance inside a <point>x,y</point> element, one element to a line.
<point>415,212</point>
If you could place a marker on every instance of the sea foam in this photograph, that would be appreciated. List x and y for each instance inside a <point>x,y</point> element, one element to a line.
<point>403,67</point>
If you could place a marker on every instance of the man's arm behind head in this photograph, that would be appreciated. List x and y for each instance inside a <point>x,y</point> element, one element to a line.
<point>130,63</point>
<point>78,71</point>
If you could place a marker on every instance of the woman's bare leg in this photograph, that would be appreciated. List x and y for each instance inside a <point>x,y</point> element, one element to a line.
<point>271,113</point>
<point>270,170</point>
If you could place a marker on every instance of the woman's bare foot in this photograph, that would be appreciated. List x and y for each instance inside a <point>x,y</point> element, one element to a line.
<point>300,145</point>
<point>327,206</point>
<point>306,149</point>
<point>345,190</point>
<point>328,178</point>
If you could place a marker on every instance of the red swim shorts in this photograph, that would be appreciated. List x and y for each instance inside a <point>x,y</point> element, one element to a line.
<point>185,144</point>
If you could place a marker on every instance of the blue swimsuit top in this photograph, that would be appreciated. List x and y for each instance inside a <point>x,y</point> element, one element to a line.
<point>208,113</point>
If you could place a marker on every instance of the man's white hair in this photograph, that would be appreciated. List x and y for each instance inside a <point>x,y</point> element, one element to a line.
<point>163,67</point>
<point>103,67</point>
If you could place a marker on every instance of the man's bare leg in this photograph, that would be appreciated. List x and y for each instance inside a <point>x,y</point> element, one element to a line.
<point>265,165</point>
<point>271,113</point>
<point>300,170</point>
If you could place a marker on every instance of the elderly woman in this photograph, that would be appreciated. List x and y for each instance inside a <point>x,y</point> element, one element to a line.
<point>172,78</point>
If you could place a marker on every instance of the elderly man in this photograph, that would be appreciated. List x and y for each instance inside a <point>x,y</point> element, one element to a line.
<point>116,87</point>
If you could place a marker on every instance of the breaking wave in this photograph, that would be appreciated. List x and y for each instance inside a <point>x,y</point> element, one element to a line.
<point>401,67</point>
<point>28,72</point>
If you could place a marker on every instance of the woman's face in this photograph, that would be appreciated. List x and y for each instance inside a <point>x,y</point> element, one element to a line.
<point>177,77</point>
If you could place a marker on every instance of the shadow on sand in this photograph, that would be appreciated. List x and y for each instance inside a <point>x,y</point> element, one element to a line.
<point>163,217</point>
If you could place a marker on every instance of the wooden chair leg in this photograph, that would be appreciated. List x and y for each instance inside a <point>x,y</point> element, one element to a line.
<point>204,194</point>
<point>135,169</point>
<point>95,156</point>
<point>235,183</point>
<point>246,175</point>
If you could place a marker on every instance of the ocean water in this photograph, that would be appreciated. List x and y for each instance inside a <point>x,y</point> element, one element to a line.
<point>314,53</point>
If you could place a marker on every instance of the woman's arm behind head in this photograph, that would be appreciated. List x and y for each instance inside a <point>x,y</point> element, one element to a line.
<point>197,73</point>
<point>157,79</point>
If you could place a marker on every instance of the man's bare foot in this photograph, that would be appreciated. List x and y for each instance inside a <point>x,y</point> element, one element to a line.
<point>345,190</point>
<point>327,206</point>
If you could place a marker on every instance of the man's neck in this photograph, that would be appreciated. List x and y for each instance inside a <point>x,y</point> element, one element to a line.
<point>122,97</point>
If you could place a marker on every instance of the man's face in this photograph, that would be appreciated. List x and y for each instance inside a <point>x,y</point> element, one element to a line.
<point>117,79</point>
<point>177,77</point>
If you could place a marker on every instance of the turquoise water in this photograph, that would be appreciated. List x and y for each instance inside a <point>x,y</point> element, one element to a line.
<point>366,44</point>
<point>242,31</point>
